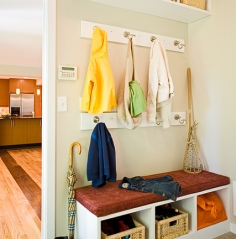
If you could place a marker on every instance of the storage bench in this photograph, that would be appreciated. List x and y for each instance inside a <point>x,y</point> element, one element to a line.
<point>97,204</point>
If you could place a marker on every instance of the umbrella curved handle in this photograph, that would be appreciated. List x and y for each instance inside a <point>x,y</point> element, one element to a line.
<point>71,149</point>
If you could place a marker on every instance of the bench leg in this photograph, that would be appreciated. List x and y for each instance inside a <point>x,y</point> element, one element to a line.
<point>88,226</point>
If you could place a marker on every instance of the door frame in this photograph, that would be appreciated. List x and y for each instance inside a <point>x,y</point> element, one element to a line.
<point>48,225</point>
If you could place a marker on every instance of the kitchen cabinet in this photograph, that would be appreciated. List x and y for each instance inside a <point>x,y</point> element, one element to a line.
<point>38,109</point>
<point>37,98</point>
<point>37,102</point>
<point>163,8</point>
<point>20,131</point>
<point>25,86</point>
<point>34,131</point>
<point>6,132</point>
<point>14,84</point>
<point>4,93</point>
<point>13,132</point>
<point>28,86</point>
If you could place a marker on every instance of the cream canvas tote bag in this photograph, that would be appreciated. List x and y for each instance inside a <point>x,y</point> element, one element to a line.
<point>123,107</point>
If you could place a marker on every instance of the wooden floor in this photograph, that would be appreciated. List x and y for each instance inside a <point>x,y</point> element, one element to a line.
<point>20,190</point>
<point>228,235</point>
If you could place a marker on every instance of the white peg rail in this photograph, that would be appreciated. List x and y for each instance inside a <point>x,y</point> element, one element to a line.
<point>87,121</point>
<point>116,34</point>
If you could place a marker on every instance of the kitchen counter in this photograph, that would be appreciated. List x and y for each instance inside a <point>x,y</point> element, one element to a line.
<point>21,117</point>
<point>20,130</point>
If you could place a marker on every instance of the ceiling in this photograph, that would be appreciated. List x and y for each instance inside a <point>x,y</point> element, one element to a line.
<point>21,24</point>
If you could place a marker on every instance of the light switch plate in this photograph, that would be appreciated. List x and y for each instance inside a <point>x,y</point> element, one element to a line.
<point>61,103</point>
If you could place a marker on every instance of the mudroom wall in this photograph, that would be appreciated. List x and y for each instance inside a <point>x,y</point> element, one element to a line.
<point>212,57</point>
<point>141,151</point>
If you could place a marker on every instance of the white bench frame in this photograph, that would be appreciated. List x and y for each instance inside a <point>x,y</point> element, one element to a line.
<point>88,225</point>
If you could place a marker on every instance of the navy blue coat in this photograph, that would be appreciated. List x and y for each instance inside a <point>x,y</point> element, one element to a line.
<point>101,165</point>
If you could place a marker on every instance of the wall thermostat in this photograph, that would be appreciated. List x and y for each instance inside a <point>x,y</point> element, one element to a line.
<point>67,73</point>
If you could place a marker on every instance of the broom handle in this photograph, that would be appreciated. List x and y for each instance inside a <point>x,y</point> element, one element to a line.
<point>189,98</point>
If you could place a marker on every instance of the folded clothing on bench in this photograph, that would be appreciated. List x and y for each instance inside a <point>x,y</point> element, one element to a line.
<point>111,199</point>
<point>164,186</point>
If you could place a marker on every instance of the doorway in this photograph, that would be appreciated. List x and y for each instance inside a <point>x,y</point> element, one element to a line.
<point>49,92</point>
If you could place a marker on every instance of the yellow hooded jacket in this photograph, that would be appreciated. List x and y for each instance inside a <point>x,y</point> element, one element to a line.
<point>99,88</point>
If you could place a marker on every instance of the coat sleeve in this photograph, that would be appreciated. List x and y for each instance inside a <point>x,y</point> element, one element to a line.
<point>160,85</point>
<point>88,87</point>
<point>170,81</point>
<point>93,159</point>
<point>152,84</point>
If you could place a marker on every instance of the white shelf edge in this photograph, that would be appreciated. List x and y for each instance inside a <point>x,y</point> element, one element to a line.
<point>156,204</point>
<point>207,11</point>
<point>163,8</point>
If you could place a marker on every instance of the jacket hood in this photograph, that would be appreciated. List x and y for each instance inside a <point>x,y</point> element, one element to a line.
<point>99,44</point>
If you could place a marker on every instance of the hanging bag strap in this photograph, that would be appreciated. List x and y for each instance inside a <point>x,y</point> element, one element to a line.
<point>123,107</point>
<point>138,102</point>
<point>132,55</point>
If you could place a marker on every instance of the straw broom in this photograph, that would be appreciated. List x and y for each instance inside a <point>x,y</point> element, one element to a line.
<point>192,163</point>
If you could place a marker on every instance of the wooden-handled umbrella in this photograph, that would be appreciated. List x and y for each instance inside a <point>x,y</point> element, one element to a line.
<point>71,180</point>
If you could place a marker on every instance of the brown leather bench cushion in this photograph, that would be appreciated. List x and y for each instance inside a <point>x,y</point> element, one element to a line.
<point>110,199</point>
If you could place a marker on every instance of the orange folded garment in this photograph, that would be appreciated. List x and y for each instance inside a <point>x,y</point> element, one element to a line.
<point>210,210</point>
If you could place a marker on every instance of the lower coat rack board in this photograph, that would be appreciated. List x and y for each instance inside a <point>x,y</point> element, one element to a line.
<point>88,121</point>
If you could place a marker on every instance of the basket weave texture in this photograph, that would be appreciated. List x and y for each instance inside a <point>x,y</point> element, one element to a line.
<point>195,3</point>
<point>135,233</point>
<point>165,229</point>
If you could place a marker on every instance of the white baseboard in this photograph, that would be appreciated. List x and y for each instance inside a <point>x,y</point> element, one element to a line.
<point>233,228</point>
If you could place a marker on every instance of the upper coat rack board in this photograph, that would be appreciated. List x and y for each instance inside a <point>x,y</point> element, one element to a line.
<point>116,34</point>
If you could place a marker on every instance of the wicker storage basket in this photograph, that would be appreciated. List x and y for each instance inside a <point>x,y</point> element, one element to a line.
<point>172,227</point>
<point>135,233</point>
<point>195,3</point>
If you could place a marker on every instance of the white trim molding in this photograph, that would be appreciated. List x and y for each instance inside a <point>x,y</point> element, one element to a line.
<point>48,119</point>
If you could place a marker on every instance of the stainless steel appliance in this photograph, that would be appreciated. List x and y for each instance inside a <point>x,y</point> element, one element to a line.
<point>23,102</point>
<point>15,111</point>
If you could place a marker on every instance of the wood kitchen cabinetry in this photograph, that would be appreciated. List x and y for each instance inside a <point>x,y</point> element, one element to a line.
<point>13,132</point>
<point>6,132</point>
<point>19,127</point>
<point>25,86</point>
<point>4,93</point>
<point>28,86</point>
<point>38,101</point>
<point>34,131</point>
<point>20,131</point>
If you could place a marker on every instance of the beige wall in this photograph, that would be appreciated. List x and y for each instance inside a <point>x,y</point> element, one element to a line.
<point>20,71</point>
<point>212,58</point>
<point>141,151</point>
